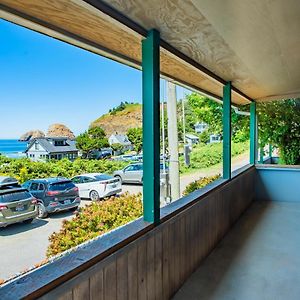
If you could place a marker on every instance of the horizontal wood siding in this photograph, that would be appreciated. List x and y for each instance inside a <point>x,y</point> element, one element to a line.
<point>155,265</point>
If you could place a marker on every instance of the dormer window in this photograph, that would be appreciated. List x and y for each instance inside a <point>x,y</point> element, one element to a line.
<point>60,143</point>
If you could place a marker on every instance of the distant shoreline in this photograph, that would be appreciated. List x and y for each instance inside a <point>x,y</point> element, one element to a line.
<point>12,148</point>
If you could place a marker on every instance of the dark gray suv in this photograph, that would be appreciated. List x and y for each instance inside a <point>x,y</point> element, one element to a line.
<point>53,194</point>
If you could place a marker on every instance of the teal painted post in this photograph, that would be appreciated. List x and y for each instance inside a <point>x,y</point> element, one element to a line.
<point>253,131</point>
<point>261,155</point>
<point>151,132</point>
<point>227,131</point>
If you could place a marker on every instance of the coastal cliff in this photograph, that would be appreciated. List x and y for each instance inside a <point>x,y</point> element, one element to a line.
<point>54,130</point>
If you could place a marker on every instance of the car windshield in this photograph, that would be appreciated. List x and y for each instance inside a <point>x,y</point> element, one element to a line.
<point>13,196</point>
<point>102,177</point>
<point>61,186</point>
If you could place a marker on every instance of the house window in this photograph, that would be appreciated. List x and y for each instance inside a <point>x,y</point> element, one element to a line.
<point>36,146</point>
<point>59,143</point>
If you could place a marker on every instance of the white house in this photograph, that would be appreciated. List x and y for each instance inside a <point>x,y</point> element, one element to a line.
<point>215,138</point>
<point>40,149</point>
<point>120,139</point>
<point>191,139</point>
<point>200,127</point>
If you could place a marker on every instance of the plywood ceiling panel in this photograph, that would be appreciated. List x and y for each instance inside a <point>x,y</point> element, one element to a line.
<point>251,43</point>
<point>255,44</point>
<point>95,31</point>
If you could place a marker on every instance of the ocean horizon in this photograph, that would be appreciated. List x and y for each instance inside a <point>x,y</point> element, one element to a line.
<point>12,148</point>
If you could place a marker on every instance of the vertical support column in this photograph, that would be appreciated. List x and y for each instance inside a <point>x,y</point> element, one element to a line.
<point>151,132</point>
<point>261,155</point>
<point>253,131</point>
<point>227,131</point>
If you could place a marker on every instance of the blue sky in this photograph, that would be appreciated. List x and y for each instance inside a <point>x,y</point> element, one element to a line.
<point>45,81</point>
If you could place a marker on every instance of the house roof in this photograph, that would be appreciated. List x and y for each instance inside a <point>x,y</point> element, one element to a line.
<point>191,136</point>
<point>121,138</point>
<point>50,148</point>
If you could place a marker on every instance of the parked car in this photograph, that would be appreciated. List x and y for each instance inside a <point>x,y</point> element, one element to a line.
<point>97,154</point>
<point>133,173</point>
<point>16,203</point>
<point>53,194</point>
<point>96,185</point>
<point>137,158</point>
<point>104,154</point>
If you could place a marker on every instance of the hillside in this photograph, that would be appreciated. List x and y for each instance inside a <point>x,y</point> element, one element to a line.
<point>120,120</point>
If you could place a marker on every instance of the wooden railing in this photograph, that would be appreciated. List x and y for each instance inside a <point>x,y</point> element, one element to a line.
<point>151,262</point>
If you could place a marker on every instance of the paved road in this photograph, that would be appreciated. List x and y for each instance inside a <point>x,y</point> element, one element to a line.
<point>24,245</point>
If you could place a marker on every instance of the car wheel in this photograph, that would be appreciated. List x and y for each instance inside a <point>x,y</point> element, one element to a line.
<point>42,211</point>
<point>119,177</point>
<point>94,196</point>
<point>28,221</point>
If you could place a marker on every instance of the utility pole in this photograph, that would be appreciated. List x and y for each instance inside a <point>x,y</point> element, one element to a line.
<point>183,120</point>
<point>173,141</point>
<point>163,135</point>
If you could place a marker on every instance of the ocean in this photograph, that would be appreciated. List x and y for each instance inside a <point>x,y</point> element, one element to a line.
<point>12,148</point>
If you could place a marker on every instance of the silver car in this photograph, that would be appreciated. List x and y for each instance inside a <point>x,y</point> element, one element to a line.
<point>133,173</point>
<point>16,203</point>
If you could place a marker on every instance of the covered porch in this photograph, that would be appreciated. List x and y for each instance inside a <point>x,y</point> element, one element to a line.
<point>257,259</point>
<point>237,237</point>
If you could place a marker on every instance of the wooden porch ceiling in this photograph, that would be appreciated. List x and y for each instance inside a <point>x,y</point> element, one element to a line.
<point>254,44</point>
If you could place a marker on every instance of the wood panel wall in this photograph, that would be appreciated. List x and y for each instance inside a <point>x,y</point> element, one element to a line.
<point>155,265</point>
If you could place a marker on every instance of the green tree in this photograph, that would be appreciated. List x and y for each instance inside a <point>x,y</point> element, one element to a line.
<point>211,112</point>
<point>279,124</point>
<point>93,139</point>
<point>135,136</point>
<point>207,111</point>
<point>204,137</point>
<point>117,147</point>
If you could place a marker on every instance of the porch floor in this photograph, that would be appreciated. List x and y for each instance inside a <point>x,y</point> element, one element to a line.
<point>258,259</point>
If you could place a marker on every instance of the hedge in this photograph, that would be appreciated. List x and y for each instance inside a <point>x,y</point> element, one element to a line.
<point>200,183</point>
<point>94,220</point>
<point>24,169</point>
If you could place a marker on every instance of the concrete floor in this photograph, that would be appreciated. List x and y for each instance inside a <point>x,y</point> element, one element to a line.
<point>259,259</point>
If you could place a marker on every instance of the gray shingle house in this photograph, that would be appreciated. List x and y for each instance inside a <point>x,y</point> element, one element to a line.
<point>40,149</point>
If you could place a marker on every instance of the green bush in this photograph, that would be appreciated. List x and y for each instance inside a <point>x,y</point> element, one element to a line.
<point>24,169</point>
<point>204,137</point>
<point>94,220</point>
<point>204,156</point>
<point>200,183</point>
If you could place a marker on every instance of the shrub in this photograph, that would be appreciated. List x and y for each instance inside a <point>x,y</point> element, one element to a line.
<point>204,156</point>
<point>25,169</point>
<point>204,137</point>
<point>94,220</point>
<point>200,183</point>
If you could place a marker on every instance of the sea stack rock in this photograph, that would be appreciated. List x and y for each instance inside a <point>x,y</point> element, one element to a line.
<point>60,130</point>
<point>32,134</point>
